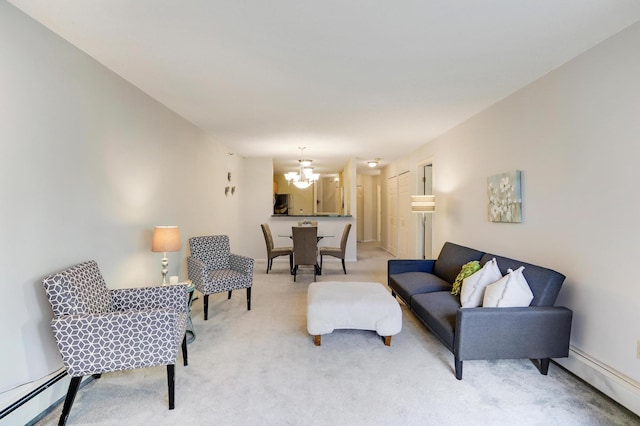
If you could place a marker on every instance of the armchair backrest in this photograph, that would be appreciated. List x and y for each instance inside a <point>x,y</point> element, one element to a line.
<point>305,245</point>
<point>268,238</point>
<point>213,250</point>
<point>79,289</point>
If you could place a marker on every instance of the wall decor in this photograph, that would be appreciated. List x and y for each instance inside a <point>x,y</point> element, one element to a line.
<point>505,197</point>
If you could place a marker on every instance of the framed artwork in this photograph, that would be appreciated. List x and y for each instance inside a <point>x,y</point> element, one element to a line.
<point>505,197</point>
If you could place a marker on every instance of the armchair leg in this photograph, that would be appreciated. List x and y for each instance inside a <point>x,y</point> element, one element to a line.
<point>68,401</point>
<point>291,262</point>
<point>269,265</point>
<point>344,268</point>
<point>248,298</point>
<point>172,385</point>
<point>544,365</point>
<point>206,306</point>
<point>294,271</point>
<point>184,350</point>
<point>458,364</point>
<point>229,296</point>
<point>320,261</point>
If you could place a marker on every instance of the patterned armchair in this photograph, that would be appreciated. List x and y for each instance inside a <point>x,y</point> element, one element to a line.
<point>98,330</point>
<point>212,268</point>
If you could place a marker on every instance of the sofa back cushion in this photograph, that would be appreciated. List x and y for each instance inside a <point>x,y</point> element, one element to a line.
<point>544,283</point>
<point>451,258</point>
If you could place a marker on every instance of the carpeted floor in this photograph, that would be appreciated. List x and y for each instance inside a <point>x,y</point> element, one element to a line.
<point>260,367</point>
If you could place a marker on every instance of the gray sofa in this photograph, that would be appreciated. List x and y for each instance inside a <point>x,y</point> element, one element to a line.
<point>539,331</point>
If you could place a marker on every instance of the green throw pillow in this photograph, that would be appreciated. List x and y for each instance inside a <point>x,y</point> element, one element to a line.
<point>467,270</point>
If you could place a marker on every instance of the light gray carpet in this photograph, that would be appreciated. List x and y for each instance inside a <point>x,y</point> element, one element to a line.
<point>260,367</point>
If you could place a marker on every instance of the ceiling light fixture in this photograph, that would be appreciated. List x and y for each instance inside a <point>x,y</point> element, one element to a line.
<point>373,163</point>
<point>305,176</point>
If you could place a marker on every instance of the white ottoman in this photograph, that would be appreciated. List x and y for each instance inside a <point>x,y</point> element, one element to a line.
<point>353,305</point>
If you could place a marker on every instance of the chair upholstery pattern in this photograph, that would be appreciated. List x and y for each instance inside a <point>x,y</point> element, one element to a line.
<point>98,330</point>
<point>212,268</point>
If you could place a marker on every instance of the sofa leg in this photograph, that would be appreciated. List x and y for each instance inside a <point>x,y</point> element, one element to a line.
<point>68,402</point>
<point>229,296</point>
<point>185,356</point>
<point>317,340</point>
<point>171,383</point>
<point>544,365</point>
<point>458,364</point>
<point>248,298</point>
<point>206,306</point>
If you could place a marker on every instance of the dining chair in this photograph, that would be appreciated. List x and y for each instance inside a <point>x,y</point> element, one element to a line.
<point>98,330</point>
<point>273,252</point>
<point>338,252</point>
<point>305,249</point>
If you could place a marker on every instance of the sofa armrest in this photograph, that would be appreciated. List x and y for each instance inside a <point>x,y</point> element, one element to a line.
<point>398,266</point>
<point>172,297</point>
<point>242,264</point>
<point>97,343</point>
<point>533,332</point>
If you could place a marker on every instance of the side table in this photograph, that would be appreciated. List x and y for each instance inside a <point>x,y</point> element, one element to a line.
<point>191,334</point>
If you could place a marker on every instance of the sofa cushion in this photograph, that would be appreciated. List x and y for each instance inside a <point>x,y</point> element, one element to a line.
<point>451,259</point>
<point>472,291</point>
<point>438,311</point>
<point>468,269</point>
<point>544,283</point>
<point>407,284</point>
<point>510,291</point>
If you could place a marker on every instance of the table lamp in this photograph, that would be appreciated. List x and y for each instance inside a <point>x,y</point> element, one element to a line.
<point>165,239</point>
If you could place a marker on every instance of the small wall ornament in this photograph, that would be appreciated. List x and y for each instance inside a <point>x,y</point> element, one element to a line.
<point>505,197</point>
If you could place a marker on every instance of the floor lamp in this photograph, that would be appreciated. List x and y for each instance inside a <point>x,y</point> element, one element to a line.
<point>165,238</point>
<point>423,204</point>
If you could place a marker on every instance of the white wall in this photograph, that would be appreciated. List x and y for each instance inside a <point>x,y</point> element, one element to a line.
<point>88,166</point>
<point>575,135</point>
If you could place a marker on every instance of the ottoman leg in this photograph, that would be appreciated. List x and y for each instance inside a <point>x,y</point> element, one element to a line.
<point>387,340</point>
<point>316,340</point>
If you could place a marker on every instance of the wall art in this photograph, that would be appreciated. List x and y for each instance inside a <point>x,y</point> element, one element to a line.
<point>505,197</point>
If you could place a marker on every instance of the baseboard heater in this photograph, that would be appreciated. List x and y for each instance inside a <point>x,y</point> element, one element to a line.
<point>19,403</point>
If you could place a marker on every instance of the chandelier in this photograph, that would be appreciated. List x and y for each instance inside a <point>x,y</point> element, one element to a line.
<point>305,176</point>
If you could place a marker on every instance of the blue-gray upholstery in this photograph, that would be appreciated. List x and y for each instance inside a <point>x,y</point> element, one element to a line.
<point>212,268</point>
<point>539,331</point>
<point>98,330</point>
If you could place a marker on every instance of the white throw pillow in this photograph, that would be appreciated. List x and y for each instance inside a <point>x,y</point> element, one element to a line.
<point>511,291</point>
<point>472,291</point>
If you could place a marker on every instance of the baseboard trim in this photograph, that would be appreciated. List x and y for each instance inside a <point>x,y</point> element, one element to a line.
<point>607,380</point>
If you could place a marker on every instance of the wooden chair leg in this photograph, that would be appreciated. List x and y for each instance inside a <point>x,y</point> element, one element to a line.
<point>68,401</point>
<point>291,262</point>
<point>171,382</point>
<point>184,350</point>
<point>269,265</point>
<point>206,306</point>
<point>248,298</point>
<point>344,268</point>
<point>317,340</point>
<point>387,340</point>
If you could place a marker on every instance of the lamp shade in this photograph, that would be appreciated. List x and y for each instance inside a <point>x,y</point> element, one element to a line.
<point>423,203</point>
<point>166,238</point>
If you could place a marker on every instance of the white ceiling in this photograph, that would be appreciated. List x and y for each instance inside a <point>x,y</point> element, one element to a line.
<point>345,78</point>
